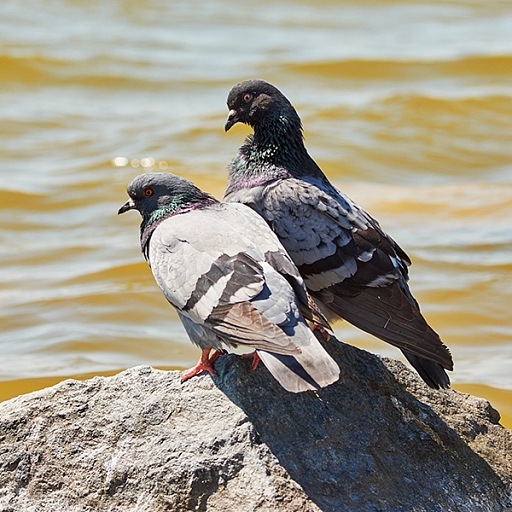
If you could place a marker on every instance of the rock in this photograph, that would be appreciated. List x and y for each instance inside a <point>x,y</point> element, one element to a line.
<point>377,440</point>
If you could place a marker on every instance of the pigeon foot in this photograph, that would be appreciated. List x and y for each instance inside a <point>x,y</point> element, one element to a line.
<point>205,363</point>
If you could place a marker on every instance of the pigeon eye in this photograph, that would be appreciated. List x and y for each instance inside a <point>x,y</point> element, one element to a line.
<point>247,97</point>
<point>148,192</point>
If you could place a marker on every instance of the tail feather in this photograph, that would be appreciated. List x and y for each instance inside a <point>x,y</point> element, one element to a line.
<point>313,369</point>
<point>431,372</point>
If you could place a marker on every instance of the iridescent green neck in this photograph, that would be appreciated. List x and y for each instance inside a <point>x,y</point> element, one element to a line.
<point>179,206</point>
<point>164,212</point>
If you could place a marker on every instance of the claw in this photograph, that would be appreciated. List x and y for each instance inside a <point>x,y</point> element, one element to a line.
<point>205,363</point>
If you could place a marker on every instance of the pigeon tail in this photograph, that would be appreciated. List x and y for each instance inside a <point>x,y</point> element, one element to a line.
<point>311,370</point>
<point>431,372</point>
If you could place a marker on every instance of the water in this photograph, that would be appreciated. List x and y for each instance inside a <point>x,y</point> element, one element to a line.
<point>407,106</point>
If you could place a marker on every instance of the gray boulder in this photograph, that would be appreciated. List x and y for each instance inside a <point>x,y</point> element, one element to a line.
<point>377,440</point>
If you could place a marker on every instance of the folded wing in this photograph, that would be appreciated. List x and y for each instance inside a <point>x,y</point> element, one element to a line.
<point>241,289</point>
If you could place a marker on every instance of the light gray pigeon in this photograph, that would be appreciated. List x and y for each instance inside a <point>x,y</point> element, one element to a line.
<point>230,280</point>
<point>349,264</point>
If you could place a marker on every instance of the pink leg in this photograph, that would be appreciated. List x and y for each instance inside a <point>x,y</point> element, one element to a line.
<point>205,363</point>
<point>315,327</point>
<point>255,359</point>
<point>216,355</point>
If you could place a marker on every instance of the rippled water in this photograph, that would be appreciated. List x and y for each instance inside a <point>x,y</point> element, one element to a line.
<point>407,106</point>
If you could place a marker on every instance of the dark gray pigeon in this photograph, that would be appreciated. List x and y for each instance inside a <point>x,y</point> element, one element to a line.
<point>349,264</point>
<point>230,280</point>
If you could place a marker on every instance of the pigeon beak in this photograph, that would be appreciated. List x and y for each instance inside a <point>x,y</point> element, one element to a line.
<point>232,119</point>
<point>129,205</point>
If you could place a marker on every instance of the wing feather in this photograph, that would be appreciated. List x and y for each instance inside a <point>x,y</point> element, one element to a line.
<point>386,313</point>
<point>351,266</point>
<point>243,324</point>
<point>232,282</point>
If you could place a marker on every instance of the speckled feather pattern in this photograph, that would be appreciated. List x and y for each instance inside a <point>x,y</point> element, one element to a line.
<point>349,264</point>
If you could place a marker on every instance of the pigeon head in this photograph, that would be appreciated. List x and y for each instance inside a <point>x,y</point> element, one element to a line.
<point>156,195</point>
<point>259,104</point>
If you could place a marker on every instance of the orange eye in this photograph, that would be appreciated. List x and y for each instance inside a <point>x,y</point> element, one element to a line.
<point>247,97</point>
<point>148,192</point>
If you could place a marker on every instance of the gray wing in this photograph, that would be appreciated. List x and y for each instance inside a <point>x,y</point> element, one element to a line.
<point>200,268</point>
<point>327,236</point>
<point>215,274</point>
<point>268,243</point>
<point>350,265</point>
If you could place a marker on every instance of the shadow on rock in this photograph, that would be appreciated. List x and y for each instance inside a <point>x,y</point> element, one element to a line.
<point>366,442</point>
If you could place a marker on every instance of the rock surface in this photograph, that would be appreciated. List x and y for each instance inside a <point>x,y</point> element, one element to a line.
<point>377,440</point>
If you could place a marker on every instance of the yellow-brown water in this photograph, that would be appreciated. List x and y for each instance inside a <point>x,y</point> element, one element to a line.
<point>406,105</point>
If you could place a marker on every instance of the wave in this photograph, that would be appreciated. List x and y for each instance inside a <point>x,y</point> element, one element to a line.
<point>100,72</point>
<point>382,69</point>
